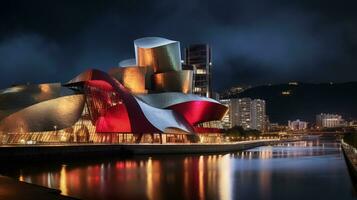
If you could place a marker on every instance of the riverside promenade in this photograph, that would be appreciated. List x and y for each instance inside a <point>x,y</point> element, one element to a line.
<point>67,151</point>
<point>350,154</point>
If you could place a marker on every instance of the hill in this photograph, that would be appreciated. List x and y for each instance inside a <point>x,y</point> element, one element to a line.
<point>303,101</point>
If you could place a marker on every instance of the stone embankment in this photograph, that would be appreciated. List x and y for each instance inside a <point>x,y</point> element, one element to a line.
<point>67,151</point>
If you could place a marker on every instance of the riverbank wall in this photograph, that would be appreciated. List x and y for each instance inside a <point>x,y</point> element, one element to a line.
<point>70,151</point>
<point>350,154</point>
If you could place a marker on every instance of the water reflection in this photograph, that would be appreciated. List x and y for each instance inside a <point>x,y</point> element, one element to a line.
<point>302,170</point>
<point>63,180</point>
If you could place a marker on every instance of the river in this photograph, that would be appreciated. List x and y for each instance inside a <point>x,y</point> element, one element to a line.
<point>299,170</point>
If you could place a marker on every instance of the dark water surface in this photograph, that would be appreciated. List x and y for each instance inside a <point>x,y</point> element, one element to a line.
<point>301,170</point>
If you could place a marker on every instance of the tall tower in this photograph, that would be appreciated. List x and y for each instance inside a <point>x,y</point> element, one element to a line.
<point>258,114</point>
<point>198,58</point>
<point>245,112</point>
<point>244,117</point>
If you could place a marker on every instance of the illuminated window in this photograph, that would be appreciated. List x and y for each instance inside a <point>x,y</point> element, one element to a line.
<point>197,89</point>
<point>200,71</point>
<point>286,93</point>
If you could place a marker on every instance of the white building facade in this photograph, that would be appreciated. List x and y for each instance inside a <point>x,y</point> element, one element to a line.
<point>297,125</point>
<point>329,120</point>
<point>245,112</point>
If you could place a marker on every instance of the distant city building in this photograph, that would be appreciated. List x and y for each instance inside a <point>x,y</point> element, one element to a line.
<point>275,127</point>
<point>198,58</point>
<point>245,112</point>
<point>215,96</point>
<point>297,125</point>
<point>227,119</point>
<point>267,123</point>
<point>258,116</point>
<point>329,120</point>
<point>353,124</point>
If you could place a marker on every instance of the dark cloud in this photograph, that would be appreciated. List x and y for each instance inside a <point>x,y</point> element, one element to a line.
<point>254,42</point>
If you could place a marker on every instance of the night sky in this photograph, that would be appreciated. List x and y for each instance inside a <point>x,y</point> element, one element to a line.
<point>253,42</point>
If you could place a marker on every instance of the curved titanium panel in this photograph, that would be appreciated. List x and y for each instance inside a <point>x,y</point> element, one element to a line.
<point>174,81</point>
<point>196,112</point>
<point>128,63</point>
<point>195,109</point>
<point>163,119</point>
<point>161,54</point>
<point>167,99</point>
<point>54,114</point>
<point>16,98</point>
<point>132,78</point>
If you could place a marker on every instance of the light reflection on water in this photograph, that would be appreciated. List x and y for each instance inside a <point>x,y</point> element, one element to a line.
<point>301,170</point>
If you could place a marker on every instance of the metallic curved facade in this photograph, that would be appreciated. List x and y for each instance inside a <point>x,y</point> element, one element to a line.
<point>161,54</point>
<point>193,108</point>
<point>128,63</point>
<point>196,112</point>
<point>162,60</point>
<point>163,119</point>
<point>142,118</point>
<point>167,99</point>
<point>174,81</point>
<point>133,78</point>
<point>54,114</point>
<point>149,95</point>
<point>16,98</point>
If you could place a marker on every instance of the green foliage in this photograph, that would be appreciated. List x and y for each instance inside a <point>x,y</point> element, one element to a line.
<point>238,131</point>
<point>351,138</point>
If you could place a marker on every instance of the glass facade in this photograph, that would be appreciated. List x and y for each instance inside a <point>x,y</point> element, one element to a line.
<point>198,58</point>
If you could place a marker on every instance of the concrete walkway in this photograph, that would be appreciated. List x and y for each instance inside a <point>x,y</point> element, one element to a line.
<point>11,189</point>
<point>24,153</point>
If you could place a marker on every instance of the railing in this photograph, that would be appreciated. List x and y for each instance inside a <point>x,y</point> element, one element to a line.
<point>350,153</point>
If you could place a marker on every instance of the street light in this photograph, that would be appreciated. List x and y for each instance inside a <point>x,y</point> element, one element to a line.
<point>55,127</point>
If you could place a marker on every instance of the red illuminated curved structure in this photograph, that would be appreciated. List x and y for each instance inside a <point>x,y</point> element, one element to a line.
<point>114,109</point>
<point>195,109</point>
<point>101,80</point>
<point>196,112</point>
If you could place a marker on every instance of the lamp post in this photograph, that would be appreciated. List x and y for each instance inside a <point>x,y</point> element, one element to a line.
<point>55,127</point>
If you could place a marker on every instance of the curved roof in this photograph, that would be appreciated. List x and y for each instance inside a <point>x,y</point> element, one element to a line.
<point>18,97</point>
<point>167,99</point>
<point>152,42</point>
<point>160,54</point>
<point>53,114</point>
<point>128,62</point>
